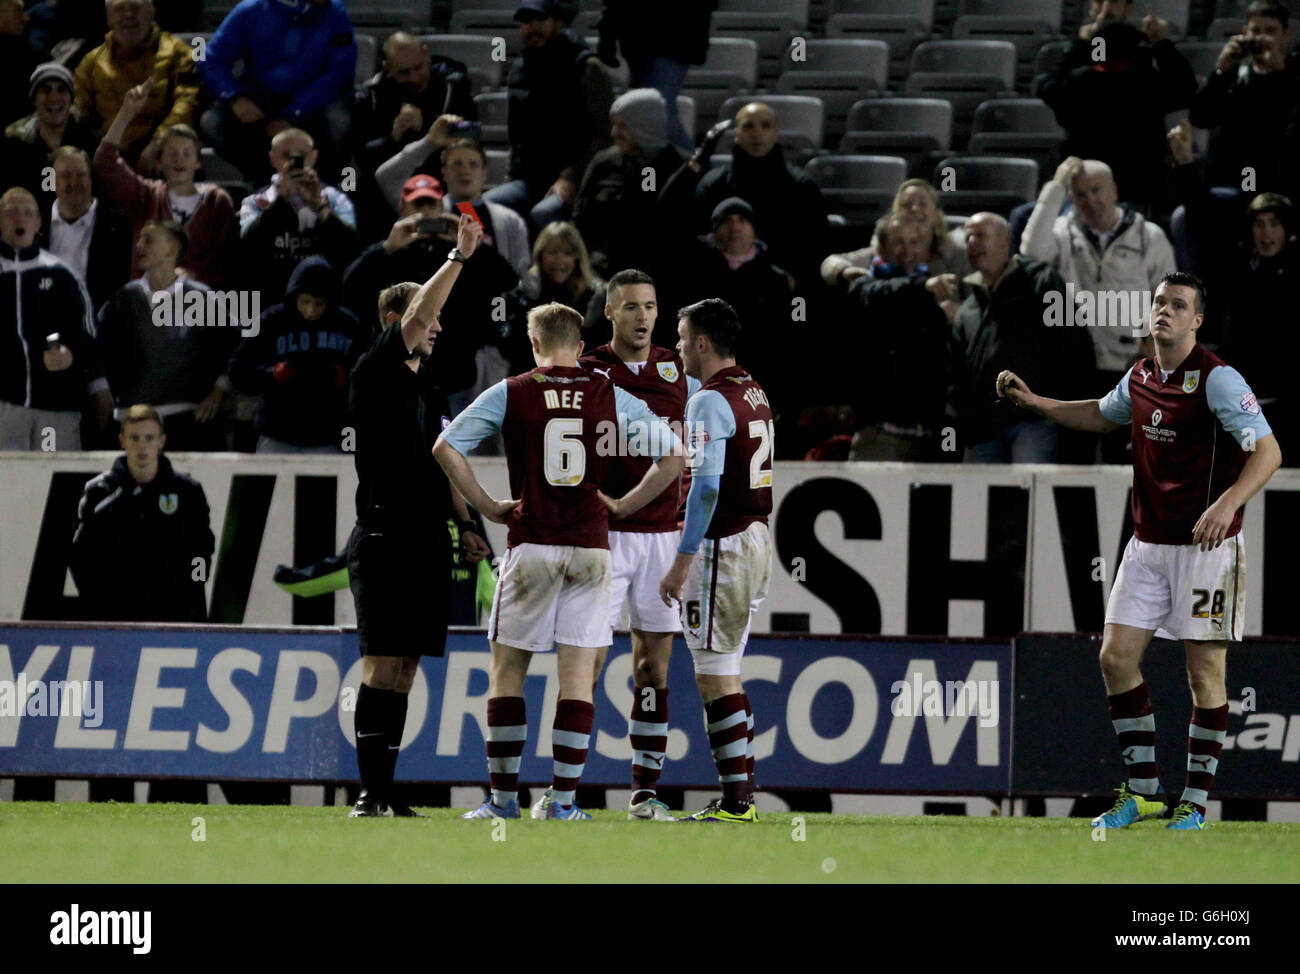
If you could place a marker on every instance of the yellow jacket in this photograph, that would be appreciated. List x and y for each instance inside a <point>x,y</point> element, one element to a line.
<point>103,78</point>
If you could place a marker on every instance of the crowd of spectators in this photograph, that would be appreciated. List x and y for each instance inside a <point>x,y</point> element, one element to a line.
<point>358,187</point>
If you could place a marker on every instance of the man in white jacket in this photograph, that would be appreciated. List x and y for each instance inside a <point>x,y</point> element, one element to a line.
<point>1111,259</point>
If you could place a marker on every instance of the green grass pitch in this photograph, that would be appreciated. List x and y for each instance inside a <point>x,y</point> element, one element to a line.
<point>96,843</point>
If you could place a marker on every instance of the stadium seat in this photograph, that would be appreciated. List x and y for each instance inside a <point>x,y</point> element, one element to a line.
<point>492,107</point>
<point>800,118</point>
<point>1177,12</point>
<point>964,73</point>
<point>215,13</point>
<point>730,67</point>
<point>474,52</point>
<point>686,112</point>
<point>1027,24</point>
<point>860,188</point>
<point>498,167</point>
<point>917,129</point>
<point>1221,28</point>
<point>367,57</point>
<point>1202,56</point>
<point>840,72</point>
<point>216,169</point>
<point>883,20</point>
<point>1018,127</point>
<point>490,23</point>
<point>985,183</point>
<point>798,9</point>
<point>370,13</point>
<point>1047,60</point>
<point>586,22</point>
<point>772,32</point>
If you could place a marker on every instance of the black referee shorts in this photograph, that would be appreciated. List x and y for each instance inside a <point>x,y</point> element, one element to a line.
<point>401,586</point>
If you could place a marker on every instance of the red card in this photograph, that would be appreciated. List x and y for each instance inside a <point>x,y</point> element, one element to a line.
<point>468,210</point>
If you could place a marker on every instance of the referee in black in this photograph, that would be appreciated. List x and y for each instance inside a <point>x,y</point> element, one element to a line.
<point>399,554</point>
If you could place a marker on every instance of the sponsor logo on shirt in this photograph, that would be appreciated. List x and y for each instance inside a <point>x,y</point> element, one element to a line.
<point>1249,404</point>
<point>1191,380</point>
<point>1154,431</point>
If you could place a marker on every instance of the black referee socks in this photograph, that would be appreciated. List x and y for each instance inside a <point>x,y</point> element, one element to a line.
<point>376,712</point>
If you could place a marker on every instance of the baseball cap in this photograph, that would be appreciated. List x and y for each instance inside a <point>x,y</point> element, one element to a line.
<point>421,187</point>
<point>534,8</point>
<point>49,71</point>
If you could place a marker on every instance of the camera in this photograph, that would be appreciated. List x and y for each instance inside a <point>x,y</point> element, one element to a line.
<point>1251,46</point>
<point>429,226</point>
<point>297,161</point>
<point>468,130</point>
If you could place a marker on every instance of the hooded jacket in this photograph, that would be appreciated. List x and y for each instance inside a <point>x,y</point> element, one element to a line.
<point>299,57</point>
<point>134,550</point>
<point>1136,257</point>
<point>301,367</point>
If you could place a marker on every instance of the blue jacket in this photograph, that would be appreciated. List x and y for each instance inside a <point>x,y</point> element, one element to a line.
<point>299,56</point>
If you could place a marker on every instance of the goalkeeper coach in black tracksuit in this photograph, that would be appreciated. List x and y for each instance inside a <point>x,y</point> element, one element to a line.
<point>400,547</point>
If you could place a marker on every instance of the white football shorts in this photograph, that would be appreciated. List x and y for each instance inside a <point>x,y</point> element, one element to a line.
<point>1180,591</point>
<point>549,594</point>
<point>727,581</point>
<point>640,561</point>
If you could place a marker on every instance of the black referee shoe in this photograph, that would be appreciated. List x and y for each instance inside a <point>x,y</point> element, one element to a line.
<point>403,810</point>
<point>367,807</point>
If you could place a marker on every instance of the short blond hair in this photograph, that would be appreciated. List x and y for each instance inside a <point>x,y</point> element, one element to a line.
<point>284,135</point>
<point>395,298</point>
<point>555,326</point>
<point>141,413</point>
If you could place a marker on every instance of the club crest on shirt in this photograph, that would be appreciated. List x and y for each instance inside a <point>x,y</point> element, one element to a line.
<point>1191,380</point>
<point>167,503</point>
<point>1249,403</point>
<point>668,370</point>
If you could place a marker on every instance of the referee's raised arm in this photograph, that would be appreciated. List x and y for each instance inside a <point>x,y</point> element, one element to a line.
<point>428,301</point>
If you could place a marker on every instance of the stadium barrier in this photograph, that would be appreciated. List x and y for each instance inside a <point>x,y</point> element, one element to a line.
<point>223,703</point>
<point>896,549</point>
<point>998,718</point>
<point>1063,742</point>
